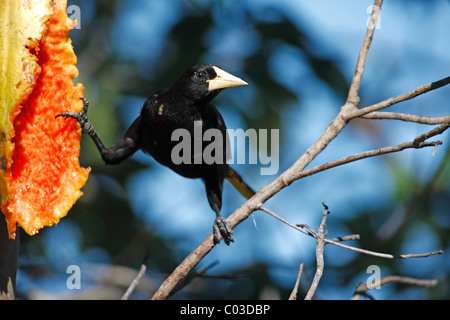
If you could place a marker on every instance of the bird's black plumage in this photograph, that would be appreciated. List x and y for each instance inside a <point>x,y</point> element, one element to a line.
<point>183,106</point>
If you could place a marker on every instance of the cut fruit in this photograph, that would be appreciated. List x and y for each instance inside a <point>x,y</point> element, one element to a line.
<point>40,176</point>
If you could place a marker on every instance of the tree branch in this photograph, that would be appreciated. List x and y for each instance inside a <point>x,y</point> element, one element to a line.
<point>368,154</point>
<point>138,278</point>
<point>360,65</point>
<point>362,288</point>
<point>322,241</point>
<point>438,130</point>
<point>270,190</point>
<point>293,295</point>
<point>320,238</point>
<point>406,117</point>
<point>336,241</point>
<point>384,255</point>
<point>403,97</point>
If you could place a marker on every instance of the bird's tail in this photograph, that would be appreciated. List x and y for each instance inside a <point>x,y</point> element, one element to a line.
<point>238,183</point>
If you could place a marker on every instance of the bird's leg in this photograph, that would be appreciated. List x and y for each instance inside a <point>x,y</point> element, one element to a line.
<point>86,125</point>
<point>114,154</point>
<point>221,227</point>
<point>214,184</point>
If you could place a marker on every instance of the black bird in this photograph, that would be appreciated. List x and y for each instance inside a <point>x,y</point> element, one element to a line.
<point>185,105</point>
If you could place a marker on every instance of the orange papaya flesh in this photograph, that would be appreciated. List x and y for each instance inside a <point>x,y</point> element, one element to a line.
<point>41,177</point>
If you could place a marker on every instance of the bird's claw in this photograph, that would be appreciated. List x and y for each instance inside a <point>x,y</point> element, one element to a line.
<point>221,227</point>
<point>81,117</point>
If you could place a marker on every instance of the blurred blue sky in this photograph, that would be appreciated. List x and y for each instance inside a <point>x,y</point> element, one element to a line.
<point>411,48</point>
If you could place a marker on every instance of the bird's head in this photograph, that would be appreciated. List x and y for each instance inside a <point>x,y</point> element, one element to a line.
<point>204,81</point>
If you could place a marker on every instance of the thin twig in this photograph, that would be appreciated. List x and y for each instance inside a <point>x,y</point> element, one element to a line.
<point>400,98</point>
<point>406,117</point>
<point>360,65</point>
<point>438,130</point>
<point>136,280</point>
<point>311,233</point>
<point>362,288</point>
<point>349,237</point>
<point>320,239</point>
<point>420,255</point>
<point>418,142</point>
<point>365,155</point>
<point>293,295</point>
<point>384,255</point>
<point>336,241</point>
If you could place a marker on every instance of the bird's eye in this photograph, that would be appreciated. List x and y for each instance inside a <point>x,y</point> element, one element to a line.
<point>199,76</point>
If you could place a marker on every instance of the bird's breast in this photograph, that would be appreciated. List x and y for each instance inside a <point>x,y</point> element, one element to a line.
<point>157,128</point>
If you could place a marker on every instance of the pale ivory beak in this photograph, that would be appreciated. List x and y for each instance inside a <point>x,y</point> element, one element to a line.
<point>224,80</point>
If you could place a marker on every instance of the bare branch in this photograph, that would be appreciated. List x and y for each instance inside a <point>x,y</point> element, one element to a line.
<point>383,255</point>
<point>406,117</point>
<point>403,97</point>
<point>136,280</point>
<point>438,130</point>
<point>293,295</point>
<point>362,288</point>
<point>253,204</point>
<point>311,232</point>
<point>360,65</point>
<point>320,238</point>
<point>365,155</point>
<point>349,237</point>
<point>418,142</point>
<point>421,255</point>
<point>336,241</point>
